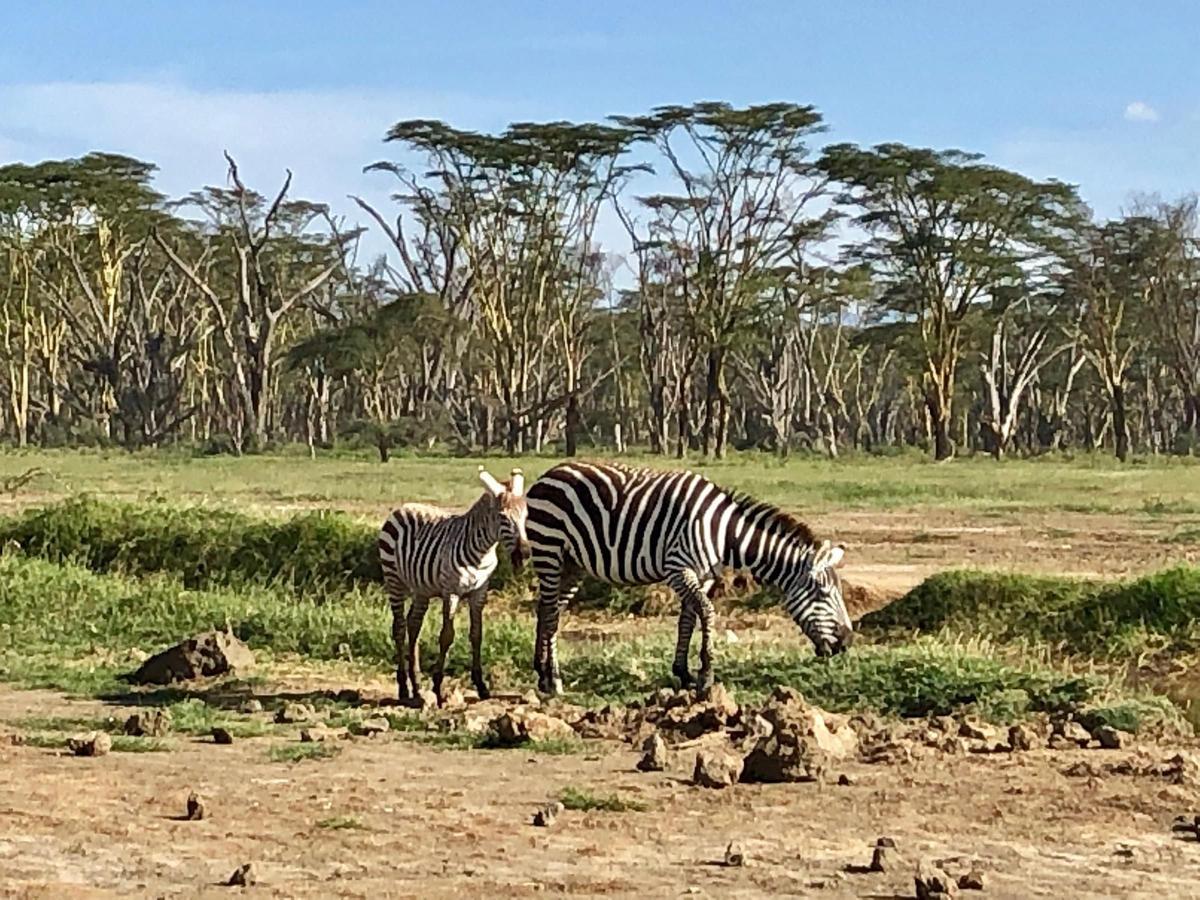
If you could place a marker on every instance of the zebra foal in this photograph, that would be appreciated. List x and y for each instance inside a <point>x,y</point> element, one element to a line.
<point>642,526</point>
<point>427,552</point>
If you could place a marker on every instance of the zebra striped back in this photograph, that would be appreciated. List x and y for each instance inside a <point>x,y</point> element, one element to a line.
<point>640,526</point>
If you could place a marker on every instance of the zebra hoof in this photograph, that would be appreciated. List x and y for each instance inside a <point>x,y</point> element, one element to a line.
<point>684,677</point>
<point>550,686</point>
<point>704,682</point>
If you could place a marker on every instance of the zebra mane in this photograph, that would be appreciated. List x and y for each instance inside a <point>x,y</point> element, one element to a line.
<point>778,520</point>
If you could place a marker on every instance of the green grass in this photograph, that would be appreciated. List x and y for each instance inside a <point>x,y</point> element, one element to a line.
<point>356,482</point>
<point>121,743</point>
<point>53,618</point>
<point>291,753</point>
<point>342,823</point>
<point>584,800</point>
<point>1107,621</point>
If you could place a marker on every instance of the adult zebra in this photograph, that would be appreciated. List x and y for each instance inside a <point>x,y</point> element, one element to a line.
<point>641,526</point>
<point>427,552</point>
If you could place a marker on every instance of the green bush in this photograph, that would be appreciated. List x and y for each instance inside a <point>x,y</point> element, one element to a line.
<point>312,553</point>
<point>1114,620</point>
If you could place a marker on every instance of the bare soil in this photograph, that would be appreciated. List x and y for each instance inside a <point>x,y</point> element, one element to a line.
<point>426,822</point>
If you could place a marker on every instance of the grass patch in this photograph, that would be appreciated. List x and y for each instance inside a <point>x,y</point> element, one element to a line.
<point>292,753</point>
<point>54,617</point>
<point>1110,621</point>
<point>583,800</point>
<point>121,743</point>
<point>342,823</point>
<point>315,554</point>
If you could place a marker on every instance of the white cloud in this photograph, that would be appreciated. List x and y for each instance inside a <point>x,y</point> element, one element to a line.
<point>1140,111</point>
<point>324,137</point>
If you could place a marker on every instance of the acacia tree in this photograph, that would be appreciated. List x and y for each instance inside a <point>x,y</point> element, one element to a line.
<point>1172,278</point>
<point>1108,281</point>
<point>944,233</point>
<point>521,209</point>
<point>262,257</point>
<point>744,186</point>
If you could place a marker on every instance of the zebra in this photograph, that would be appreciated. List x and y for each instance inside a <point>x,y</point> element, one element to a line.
<point>427,552</point>
<point>642,526</point>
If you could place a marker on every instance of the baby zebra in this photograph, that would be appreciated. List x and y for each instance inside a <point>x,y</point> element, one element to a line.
<point>426,552</point>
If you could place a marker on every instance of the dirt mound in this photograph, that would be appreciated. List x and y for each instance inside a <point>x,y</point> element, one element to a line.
<point>205,655</point>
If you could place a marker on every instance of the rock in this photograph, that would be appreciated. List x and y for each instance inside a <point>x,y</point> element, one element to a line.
<point>720,700</point>
<point>977,731</point>
<point>531,699</point>
<point>149,723</point>
<point>933,883</point>
<point>799,742</point>
<point>845,780</point>
<point>946,724</point>
<point>221,736</point>
<point>517,727</point>
<point>606,723</point>
<point>654,755</point>
<point>734,857</point>
<point>716,769</point>
<point>349,696</point>
<point>371,727</point>
<point>894,752</point>
<point>545,816</point>
<point>1061,742</point>
<point>195,807</point>
<point>992,746</point>
<point>1074,732</point>
<point>243,876</point>
<point>884,857</point>
<point>1022,737</point>
<point>1109,737</point>
<point>972,881</point>
<point>98,743</point>
<point>315,734</point>
<point>453,699</point>
<point>784,756</point>
<point>425,699</point>
<point>251,706</point>
<point>953,745</point>
<point>1189,824</point>
<point>294,713</point>
<point>205,655</point>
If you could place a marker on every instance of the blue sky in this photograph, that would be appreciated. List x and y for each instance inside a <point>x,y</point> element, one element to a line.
<point>1102,94</point>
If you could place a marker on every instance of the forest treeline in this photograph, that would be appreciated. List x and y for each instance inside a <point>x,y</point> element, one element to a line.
<point>775,291</point>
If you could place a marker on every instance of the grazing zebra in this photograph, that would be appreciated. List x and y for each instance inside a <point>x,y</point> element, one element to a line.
<point>427,552</point>
<point>640,526</point>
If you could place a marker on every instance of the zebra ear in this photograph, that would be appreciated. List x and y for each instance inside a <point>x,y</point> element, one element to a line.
<point>490,482</point>
<point>835,557</point>
<point>828,556</point>
<point>518,483</point>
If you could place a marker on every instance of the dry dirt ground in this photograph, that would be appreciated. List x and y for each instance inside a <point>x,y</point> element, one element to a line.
<point>435,822</point>
<point>442,823</point>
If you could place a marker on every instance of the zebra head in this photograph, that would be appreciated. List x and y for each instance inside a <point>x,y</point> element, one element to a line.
<point>816,604</point>
<point>512,510</point>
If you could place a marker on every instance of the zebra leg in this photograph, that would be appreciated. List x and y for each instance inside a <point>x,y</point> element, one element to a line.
<point>416,618</point>
<point>550,607</point>
<point>445,642</point>
<point>549,680</point>
<point>683,642</point>
<point>400,643</point>
<point>704,678</point>
<point>694,600</point>
<point>475,604</point>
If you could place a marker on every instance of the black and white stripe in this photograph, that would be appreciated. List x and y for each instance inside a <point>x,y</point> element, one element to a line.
<point>427,552</point>
<point>641,526</point>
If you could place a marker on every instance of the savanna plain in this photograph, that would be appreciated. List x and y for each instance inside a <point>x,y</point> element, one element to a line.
<point>1054,596</point>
